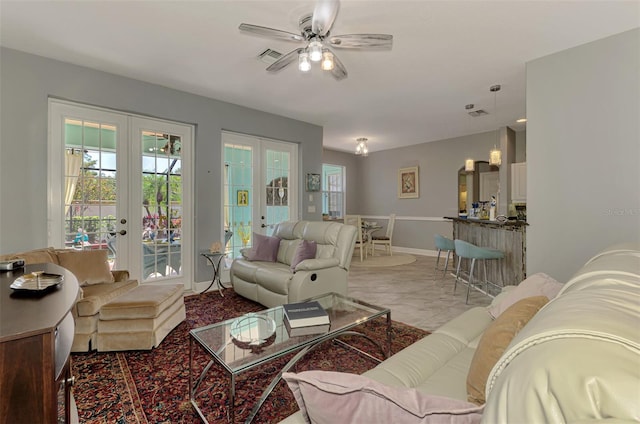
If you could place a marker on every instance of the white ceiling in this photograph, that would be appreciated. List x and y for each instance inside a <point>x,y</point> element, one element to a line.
<point>446,54</point>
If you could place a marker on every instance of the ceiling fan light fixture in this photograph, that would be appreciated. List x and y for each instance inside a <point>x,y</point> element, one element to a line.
<point>315,50</point>
<point>327,61</point>
<point>304,65</point>
<point>314,32</point>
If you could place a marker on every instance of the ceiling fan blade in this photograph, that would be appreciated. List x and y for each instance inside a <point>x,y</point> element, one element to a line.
<point>339,72</point>
<point>270,32</point>
<point>324,15</point>
<point>362,41</point>
<point>284,60</point>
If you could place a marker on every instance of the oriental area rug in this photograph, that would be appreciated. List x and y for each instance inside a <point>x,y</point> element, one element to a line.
<point>153,386</point>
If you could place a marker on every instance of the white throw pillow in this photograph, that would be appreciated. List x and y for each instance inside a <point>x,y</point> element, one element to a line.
<point>539,284</point>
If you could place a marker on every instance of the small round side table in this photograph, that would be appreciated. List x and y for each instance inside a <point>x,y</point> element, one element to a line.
<point>215,259</point>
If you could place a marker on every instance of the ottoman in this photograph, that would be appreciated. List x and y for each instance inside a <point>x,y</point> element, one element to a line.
<point>141,318</point>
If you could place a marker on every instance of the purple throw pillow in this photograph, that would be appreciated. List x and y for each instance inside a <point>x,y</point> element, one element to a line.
<point>265,248</point>
<point>305,250</point>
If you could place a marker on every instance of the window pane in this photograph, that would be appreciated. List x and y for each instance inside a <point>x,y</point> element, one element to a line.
<point>333,191</point>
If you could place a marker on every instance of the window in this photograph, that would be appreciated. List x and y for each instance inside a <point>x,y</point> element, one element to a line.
<point>333,191</point>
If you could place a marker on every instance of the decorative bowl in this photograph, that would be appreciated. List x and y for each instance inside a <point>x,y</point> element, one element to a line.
<point>253,331</point>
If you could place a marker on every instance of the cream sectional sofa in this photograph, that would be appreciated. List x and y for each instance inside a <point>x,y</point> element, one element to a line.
<point>576,361</point>
<point>275,283</point>
<point>98,286</point>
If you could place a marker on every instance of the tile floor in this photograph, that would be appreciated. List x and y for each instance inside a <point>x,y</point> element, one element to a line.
<point>415,293</point>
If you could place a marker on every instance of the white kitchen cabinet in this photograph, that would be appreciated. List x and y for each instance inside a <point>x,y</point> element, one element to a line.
<point>519,182</point>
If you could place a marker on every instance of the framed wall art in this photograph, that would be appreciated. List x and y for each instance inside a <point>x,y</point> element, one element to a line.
<point>408,183</point>
<point>243,197</point>
<point>313,182</point>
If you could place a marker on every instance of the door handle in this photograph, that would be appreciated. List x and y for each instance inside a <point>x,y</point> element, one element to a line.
<point>263,226</point>
<point>122,232</point>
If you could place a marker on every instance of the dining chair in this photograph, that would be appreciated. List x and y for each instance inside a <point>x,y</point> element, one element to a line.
<point>361,238</point>
<point>386,239</point>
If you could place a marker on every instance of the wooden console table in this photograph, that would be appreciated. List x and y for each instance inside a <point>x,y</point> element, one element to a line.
<point>36,333</point>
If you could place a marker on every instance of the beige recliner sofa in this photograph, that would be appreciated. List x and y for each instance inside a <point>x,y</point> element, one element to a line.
<point>274,283</point>
<point>576,360</point>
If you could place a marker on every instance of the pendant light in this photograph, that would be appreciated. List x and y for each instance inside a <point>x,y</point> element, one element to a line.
<point>495,155</point>
<point>469,165</point>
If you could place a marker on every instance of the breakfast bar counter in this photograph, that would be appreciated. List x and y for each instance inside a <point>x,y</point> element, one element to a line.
<point>509,237</point>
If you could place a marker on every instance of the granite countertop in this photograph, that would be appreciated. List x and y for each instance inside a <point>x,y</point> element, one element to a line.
<point>509,223</point>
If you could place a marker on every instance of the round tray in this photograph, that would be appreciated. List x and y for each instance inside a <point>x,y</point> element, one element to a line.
<point>253,331</point>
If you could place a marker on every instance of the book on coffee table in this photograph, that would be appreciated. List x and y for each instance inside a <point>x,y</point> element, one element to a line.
<point>305,314</point>
<point>307,330</point>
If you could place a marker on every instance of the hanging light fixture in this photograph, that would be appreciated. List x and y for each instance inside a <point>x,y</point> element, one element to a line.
<point>495,155</point>
<point>303,62</point>
<point>327,61</point>
<point>469,165</point>
<point>362,148</point>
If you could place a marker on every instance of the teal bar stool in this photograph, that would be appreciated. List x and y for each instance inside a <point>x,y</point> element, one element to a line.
<point>470,251</point>
<point>443,243</point>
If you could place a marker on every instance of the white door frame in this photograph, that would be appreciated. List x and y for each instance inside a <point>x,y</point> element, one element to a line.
<point>129,147</point>
<point>259,146</point>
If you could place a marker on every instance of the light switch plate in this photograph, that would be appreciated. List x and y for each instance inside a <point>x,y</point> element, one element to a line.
<point>311,209</point>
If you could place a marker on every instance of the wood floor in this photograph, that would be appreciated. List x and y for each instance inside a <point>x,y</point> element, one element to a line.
<point>415,293</point>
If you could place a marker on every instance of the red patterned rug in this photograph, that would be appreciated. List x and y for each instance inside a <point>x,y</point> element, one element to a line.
<point>152,386</point>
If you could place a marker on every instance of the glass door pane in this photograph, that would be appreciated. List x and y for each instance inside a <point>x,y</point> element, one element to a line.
<point>161,204</point>
<point>161,227</point>
<point>90,185</point>
<point>277,167</point>
<point>239,196</point>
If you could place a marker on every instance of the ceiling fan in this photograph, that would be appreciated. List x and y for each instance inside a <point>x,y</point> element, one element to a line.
<point>315,33</point>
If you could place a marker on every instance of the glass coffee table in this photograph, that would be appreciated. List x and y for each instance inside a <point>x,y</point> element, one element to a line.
<point>236,357</point>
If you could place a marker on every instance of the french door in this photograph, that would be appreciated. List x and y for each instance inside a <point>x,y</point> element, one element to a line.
<point>117,182</point>
<point>259,186</point>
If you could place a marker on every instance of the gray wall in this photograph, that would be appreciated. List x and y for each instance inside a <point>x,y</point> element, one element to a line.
<point>521,146</point>
<point>583,153</point>
<point>418,220</point>
<point>27,81</point>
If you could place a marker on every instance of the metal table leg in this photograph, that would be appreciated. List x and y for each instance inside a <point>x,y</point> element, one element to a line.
<point>307,349</point>
<point>215,259</point>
